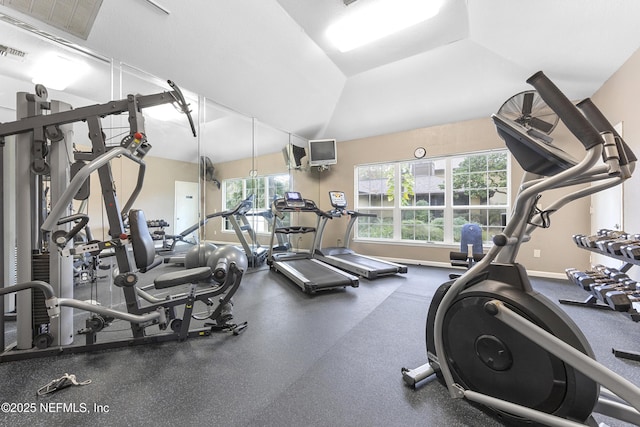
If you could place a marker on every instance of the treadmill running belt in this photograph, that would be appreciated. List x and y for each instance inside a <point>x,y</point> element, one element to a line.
<point>312,275</point>
<point>318,274</point>
<point>379,266</point>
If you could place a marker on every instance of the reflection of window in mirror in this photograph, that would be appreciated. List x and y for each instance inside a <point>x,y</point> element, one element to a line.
<point>265,189</point>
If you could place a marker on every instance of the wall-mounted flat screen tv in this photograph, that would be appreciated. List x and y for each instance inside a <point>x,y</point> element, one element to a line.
<point>322,152</point>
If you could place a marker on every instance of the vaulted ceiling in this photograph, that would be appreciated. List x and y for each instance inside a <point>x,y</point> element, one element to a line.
<point>270,59</point>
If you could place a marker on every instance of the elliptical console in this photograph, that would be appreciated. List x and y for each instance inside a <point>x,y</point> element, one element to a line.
<point>492,339</point>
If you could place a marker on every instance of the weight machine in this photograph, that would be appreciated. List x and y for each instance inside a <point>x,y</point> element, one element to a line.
<point>44,238</point>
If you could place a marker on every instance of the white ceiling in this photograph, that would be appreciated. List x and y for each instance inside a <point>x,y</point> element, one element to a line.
<point>269,59</point>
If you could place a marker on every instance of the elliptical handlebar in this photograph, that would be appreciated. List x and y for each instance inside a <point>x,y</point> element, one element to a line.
<point>600,122</point>
<point>566,111</point>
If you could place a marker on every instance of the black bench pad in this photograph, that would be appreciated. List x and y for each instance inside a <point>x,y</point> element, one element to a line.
<point>192,275</point>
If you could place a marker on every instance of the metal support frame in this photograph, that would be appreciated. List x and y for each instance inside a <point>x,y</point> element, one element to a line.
<point>32,132</point>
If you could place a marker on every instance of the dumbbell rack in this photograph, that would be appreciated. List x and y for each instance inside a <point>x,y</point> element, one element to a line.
<point>628,260</point>
<point>160,224</point>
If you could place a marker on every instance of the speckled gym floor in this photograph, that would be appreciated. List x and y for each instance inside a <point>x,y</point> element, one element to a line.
<point>332,359</point>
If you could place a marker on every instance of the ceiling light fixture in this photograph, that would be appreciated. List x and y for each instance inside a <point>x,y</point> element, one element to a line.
<point>371,21</point>
<point>167,112</point>
<point>57,72</point>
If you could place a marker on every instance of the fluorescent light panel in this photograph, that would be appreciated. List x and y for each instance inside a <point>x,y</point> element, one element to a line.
<point>168,112</point>
<point>58,72</point>
<point>373,20</point>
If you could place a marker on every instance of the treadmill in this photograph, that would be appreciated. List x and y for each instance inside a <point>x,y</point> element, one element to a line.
<point>345,258</point>
<point>310,274</point>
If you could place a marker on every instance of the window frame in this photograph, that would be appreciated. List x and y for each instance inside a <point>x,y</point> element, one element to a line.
<point>448,207</point>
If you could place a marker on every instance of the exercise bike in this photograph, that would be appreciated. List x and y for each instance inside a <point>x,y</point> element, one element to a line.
<point>491,338</point>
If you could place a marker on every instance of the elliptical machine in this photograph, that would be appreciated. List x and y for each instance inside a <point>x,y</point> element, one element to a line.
<point>495,341</point>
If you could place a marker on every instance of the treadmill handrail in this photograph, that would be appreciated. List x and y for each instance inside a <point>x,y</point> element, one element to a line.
<point>235,211</point>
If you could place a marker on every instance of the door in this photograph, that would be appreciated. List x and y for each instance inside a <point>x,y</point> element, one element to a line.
<point>186,208</point>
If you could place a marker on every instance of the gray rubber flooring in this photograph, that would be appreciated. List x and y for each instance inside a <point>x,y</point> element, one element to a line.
<point>332,359</point>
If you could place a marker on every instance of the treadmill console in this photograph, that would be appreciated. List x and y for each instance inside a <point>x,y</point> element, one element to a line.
<point>293,199</point>
<point>338,199</point>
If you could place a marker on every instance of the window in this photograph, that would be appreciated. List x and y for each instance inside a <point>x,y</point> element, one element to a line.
<point>264,190</point>
<point>430,200</point>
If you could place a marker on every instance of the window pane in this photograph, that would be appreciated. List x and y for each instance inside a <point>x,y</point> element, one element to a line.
<point>278,184</point>
<point>478,188</point>
<point>459,165</point>
<point>477,163</point>
<point>429,183</point>
<point>480,180</point>
<point>376,185</point>
<point>478,216</point>
<point>495,217</point>
<point>497,188</point>
<point>233,192</point>
<point>436,226</point>
<point>425,225</point>
<point>461,198</point>
<point>378,227</point>
<point>497,161</point>
<point>460,181</point>
<point>407,194</point>
<point>264,189</point>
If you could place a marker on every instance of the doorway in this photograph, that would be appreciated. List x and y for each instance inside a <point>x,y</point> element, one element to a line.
<point>186,208</point>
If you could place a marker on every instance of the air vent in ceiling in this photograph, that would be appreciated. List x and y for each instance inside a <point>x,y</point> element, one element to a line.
<point>73,16</point>
<point>11,52</point>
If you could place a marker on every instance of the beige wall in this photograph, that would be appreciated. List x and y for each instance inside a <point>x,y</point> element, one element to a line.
<point>617,99</point>
<point>156,198</point>
<point>463,137</point>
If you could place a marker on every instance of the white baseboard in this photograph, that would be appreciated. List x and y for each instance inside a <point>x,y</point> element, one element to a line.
<point>532,273</point>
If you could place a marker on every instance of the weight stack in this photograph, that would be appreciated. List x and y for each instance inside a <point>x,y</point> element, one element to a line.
<point>39,271</point>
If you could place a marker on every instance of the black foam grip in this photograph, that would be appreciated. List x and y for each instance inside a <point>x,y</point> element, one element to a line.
<point>600,122</point>
<point>568,113</point>
<point>221,270</point>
